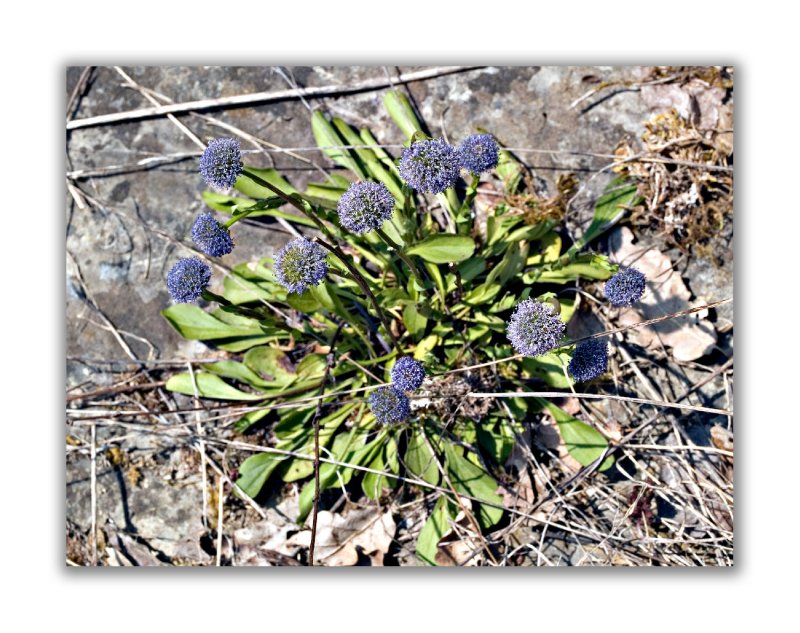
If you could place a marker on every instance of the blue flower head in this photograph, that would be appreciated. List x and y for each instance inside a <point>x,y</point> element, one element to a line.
<point>589,360</point>
<point>407,374</point>
<point>221,163</point>
<point>625,288</point>
<point>389,405</point>
<point>479,153</point>
<point>430,166</point>
<point>187,279</point>
<point>210,236</point>
<point>299,264</point>
<point>365,206</point>
<point>534,328</point>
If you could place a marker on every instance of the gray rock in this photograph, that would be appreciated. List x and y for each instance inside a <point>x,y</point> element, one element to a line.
<point>122,242</point>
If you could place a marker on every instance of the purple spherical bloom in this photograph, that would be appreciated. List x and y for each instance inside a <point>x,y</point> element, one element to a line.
<point>299,264</point>
<point>365,206</point>
<point>430,166</point>
<point>589,360</point>
<point>210,236</point>
<point>625,288</point>
<point>534,328</point>
<point>479,153</point>
<point>389,405</point>
<point>221,163</point>
<point>187,279</point>
<point>407,374</point>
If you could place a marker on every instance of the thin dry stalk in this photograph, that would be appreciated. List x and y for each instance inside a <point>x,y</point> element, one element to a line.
<point>93,501</point>
<point>221,500</point>
<point>201,446</point>
<point>262,97</point>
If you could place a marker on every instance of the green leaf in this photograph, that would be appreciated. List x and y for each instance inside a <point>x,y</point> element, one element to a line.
<point>293,422</point>
<point>253,190</point>
<point>415,323</point>
<point>510,265</point>
<point>325,293</point>
<point>402,113</point>
<point>373,484</point>
<point>481,294</point>
<point>249,419</point>
<point>306,303</point>
<point>330,142</point>
<point>497,440</point>
<point>436,275</point>
<point>587,266</point>
<point>370,161</point>
<point>311,366</point>
<point>444,248</point>
<point>426,346</point>
<point>547,368</point>
<point>470,479</point>
<point>346,448</point>
<point>510,171</point>
<point>530,232</point>
<point>193,323</point>
<point>549,250</point>
<point>237,371</point>
<point>419,459</point>
<point>618,195</point>
<point>236,206</point>
<point>328,192</point>
<point>304,442</point>
<point>208,386</point>
<point>255,470</point>
<point>437,525</point>
<point>498,224</point>
<point>388,162</point>
<point>272,364</point>
<point>471,268</point>
<point>585,443</point>
<point>243,343</point>
<point>568,306</point>
<point>238,290</point>
<point>508,301</point>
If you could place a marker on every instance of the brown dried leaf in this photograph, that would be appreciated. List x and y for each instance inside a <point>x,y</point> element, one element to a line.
<point>522,494</point>
<point>457,554</point>
<point>264,543</point>
<point>690,337</point>
<point>548,436</point>
<point>722,438</point>
<point>695,101</point>
<point>341,538</point>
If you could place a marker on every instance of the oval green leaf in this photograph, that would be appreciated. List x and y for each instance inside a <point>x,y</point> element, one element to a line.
<point>444,249</point>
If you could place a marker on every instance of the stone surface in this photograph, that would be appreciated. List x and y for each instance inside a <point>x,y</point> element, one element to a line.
<point>123,246</point>
<point>130,225</point>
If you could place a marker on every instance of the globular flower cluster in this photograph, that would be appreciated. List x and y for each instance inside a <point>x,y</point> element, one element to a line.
<point>300,264</point>
<point>626,287</point>
<point>407,374</point>
<point>365,206</point>
<point>221,162</point>
<point>589,360</point>
<point>187,279</point>
<point>389,405</point>
<point>430,166</point>
<point>534,328</point>
<point>479,153</point>
<point>210,236</point>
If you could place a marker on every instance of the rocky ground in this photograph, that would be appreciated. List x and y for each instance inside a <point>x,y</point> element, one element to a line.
<point>133,192</point>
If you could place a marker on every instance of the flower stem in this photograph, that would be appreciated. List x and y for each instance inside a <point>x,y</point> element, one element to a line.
<point>308,211</point>
<point>401,253</point>
<point>236,218</point>
<point>361,284</point>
